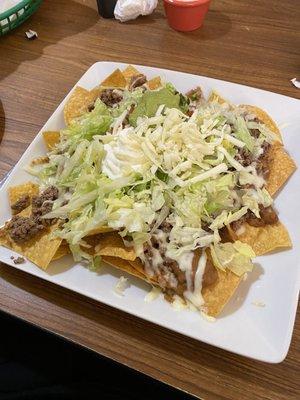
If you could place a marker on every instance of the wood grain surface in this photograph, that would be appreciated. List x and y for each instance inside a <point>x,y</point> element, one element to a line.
<point>256,43</point>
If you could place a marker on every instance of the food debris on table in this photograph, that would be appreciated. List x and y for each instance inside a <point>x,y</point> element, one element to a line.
<point>18,260</point>
<point>31,35</point>
<point>296,82</point>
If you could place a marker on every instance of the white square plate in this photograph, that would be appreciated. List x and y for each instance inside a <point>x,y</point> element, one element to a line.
<point>263,333</point>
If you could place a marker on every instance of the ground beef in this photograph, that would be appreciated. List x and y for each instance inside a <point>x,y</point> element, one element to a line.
<point>169,268</point>
<point>263,162</point>
<point>42,204</point>
<point>244,157</point>
<point>111,97</point>
<point>255,133</point>
<point>195,94</point>
<point>19,260</point>
<point>21,204</point>
<point>21,229</point>
<point>137,81</point>
<point>268,216</point>
<point>165,226</point>
<point>50,194</point>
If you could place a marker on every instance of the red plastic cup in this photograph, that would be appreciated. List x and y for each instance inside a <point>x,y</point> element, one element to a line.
<point>186,15</point>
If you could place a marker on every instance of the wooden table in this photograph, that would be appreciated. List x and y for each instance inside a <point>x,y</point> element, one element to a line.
<point>255,43</point>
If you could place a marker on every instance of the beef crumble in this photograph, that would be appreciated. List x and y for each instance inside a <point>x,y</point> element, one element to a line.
<point>268,216</point>
<point>195,94</point>
<point>21,229</point>
<point>21,204</point>
<point>244,157</point>
<point>19,260</point>
<point>42,205</point>
<point>109,97</point>
<point>168,273</point>
<point>263,161</point>
<point>137,81</point>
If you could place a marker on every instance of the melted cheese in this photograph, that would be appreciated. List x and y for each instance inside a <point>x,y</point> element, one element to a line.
<point>195,297</point>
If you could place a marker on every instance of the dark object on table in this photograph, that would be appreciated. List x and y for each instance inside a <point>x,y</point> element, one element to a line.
<point>37,365</point>
<point>106,8</point>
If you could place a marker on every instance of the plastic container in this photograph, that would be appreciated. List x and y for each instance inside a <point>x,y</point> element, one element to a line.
<point>186,15</point>
<point>16,15</point>
<point>106,8</point>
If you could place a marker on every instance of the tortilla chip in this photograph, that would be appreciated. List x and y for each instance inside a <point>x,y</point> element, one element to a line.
<point>123,265</point>
<point>215,97</point>
<point>154,83</point>
<point>111,244</point>
<point>62,251</point>
<point>265,118</point>
<point>115,80</point>
<point>78,103</point>
<point>40,250</point>
<point>281,164</point>
<point>39,161</point>
<point>129,72</point>
<point>281,168</point>
<point>138,265</point>
<point>216,296</point>
<point>264,239</point>
<point>16,192</point>
<point>51,138</point>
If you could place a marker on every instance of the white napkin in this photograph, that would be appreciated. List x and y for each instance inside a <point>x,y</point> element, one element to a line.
<point>131,9</point>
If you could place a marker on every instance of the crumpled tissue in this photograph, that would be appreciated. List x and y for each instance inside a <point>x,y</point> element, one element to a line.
<point>126,10</point>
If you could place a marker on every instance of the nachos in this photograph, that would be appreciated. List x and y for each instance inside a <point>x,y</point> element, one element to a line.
<point>173,188</point>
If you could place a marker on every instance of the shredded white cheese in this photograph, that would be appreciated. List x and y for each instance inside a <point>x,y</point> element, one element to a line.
<point>152,295</point>
<point>121,286</point>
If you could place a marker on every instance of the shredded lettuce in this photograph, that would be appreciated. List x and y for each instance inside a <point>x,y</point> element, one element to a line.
<point>160,166</point>
<point>233,256</point>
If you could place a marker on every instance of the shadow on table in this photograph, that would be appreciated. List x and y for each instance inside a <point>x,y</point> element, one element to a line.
<point>54,21</point>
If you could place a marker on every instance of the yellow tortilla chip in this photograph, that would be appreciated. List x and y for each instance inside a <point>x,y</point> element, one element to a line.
<point>40,161</point>
<point>138,265</point>
<point>51,138</point>
<point>154,83</point>
<point>281,167</point>
<point>123,265</point>
<point>216,296</point>
<point>129,72</point>
<point>115,80</point>
<point>264,239</point>
<point>265,118</point>
<point>281,164</point>
<point>62,251</point>
<point>39,250</point>
<point>16,192</point>
<point>215,97</point>
<point>78,103</point>
<point>111,244</point>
